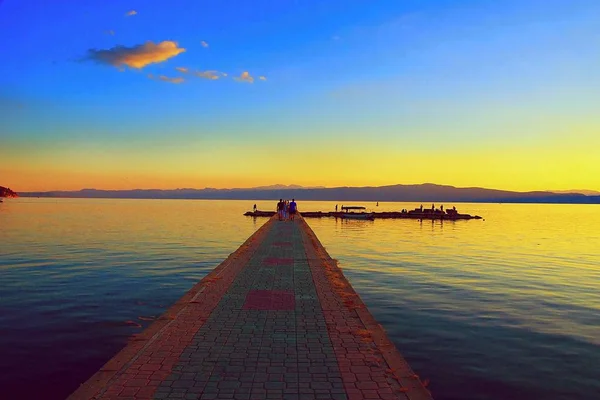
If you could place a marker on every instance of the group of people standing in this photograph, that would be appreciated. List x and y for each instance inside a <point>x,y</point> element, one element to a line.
<point>433,208</point>
<point>286,209</point>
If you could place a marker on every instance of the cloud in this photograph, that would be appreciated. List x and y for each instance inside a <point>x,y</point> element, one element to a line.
<point>245,77</point>
<point>166,79</point>
<point>213,75</point>
<point>110,32</point>
<point>131,13</point>
<point>204,44</point>
<point>137,56</point>
<point>336,38</point>
<point>210,74</point>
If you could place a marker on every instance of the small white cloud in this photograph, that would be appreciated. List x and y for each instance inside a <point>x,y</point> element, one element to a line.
<point>204,44</point>
<point>131,13</point>
<point>336,38</point>
<point>245,77</point>
<point>262,78</point>
<point>213,75</point>
<point>166,79</point>
<point>110,32</point>
<point>224,73</point>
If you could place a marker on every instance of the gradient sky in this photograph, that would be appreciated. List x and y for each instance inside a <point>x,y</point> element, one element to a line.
<point>502,94</point>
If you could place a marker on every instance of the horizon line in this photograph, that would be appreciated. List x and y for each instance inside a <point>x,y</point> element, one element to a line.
<point>301,187</point>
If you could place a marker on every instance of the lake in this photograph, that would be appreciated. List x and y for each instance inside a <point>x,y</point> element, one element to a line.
<point>505,307</point>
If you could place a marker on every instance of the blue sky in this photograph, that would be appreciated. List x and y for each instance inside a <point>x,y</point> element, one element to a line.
<point>412,78</point>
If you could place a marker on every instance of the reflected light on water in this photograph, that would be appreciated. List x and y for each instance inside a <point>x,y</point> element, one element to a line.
<point>77,273</point>
<point>506,307</point>
<point>518,291</point>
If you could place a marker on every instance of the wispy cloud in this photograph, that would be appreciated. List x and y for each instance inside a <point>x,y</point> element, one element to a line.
<point>336,38</point>
<point>213,75</point>
<point>204,44</point>
<point>110,32</point>
<point>166,79</point>
<point>210,74</point>
<point>137,56</point>
<point>245,77</point>
<point>131,13</point>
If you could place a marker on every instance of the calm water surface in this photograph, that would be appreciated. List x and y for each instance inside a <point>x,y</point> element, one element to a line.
<point>503,308</point>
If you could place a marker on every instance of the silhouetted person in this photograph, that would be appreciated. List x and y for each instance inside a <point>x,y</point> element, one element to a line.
<point>442,208</point>
<point>293,209</point>
<point>421,207</point>
<point>280,209</point>
<point>432,207</point>
<point>336,208</point>
<point>255,208</point>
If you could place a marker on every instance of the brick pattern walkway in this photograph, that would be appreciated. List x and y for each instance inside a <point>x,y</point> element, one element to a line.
<point>274,321</point>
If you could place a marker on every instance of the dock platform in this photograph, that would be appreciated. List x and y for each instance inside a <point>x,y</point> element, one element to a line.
<point>276,320</point>
<point>376,215</point>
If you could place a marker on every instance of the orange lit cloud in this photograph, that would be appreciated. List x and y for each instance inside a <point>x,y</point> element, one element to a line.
<point>245,77</point>
<point>183,70</point>
<point>131,13</point>
<point>204,44</point>
<point>166,79</point>
<point>207,74</point>
<point>137,56</point>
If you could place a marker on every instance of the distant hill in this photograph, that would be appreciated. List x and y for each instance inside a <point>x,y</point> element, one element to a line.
<point>426,192</point>
<point>280,186</point>
<point>582,191</point>
<point>6,192</point>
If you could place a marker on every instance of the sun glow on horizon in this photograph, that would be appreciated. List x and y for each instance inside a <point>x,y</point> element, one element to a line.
<point>401,92</point>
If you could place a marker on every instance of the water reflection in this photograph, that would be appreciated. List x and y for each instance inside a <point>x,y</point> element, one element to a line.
<point>485,298</point>
<point>503,308</point>
<point>79,276</point>
<point>355,224</point>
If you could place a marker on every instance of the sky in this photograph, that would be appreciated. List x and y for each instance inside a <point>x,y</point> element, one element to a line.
<point>189,94</point>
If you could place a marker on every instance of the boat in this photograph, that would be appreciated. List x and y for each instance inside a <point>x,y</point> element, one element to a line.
<point>356,212</point>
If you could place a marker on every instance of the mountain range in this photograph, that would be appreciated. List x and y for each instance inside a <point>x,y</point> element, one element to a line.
<point>426,192</point>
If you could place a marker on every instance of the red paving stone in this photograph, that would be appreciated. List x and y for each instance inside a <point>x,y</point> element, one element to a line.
<point>251,331</point>
<point>270,300</point>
